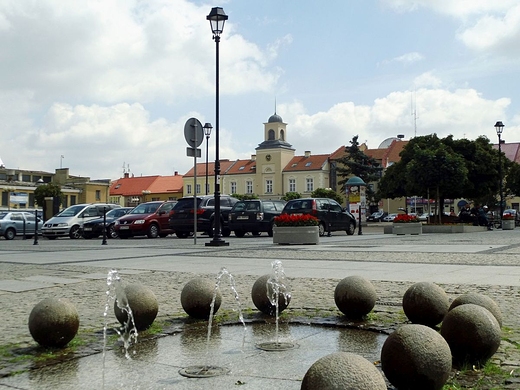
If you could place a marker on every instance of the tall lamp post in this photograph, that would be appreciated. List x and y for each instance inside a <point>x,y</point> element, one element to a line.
<point>499,126</point>
<point>207,132</point>
<point>217,17</point>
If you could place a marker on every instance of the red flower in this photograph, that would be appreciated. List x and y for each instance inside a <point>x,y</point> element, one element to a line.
<point>296,220</point>
<point>405,218</point>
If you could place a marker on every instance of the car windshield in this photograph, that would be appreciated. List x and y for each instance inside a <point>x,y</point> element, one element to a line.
<point>186,204</point>
<point>146,208</point>
<point>71,211</point>
<point>2,215</point>
<point>115,213</point>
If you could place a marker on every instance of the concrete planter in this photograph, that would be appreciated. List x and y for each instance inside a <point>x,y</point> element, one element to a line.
<point>407,228</point>
<point>296,235</point>
<point>508,224</point>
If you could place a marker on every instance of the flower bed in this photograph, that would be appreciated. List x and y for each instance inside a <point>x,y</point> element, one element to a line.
<point>405,218</point>
<point>296,220</point>
<point>296,229</point>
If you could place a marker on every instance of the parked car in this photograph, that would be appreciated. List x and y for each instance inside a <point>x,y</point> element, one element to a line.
<point>13,223</point>
<point>94,227</point>
<point>182,219</point>
<point>389,217</point>
<point>331,215</point>
<point>377,216</point>
<point>69,222</point>
<point>254,216</point>
<point>147,219</point>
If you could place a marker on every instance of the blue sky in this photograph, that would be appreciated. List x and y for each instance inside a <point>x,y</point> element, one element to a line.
<point>112,82</point>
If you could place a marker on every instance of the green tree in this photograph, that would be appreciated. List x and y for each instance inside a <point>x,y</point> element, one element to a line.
<point>327,193</point>
<point>512,185</point>
<point>245,196</point>
<point>47,190</point>
<point>291,195</point>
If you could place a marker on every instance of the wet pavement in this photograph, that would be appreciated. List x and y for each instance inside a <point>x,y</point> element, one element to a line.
<point>486,262</point>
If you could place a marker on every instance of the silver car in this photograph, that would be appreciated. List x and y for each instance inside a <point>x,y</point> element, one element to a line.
<point>13,223</point>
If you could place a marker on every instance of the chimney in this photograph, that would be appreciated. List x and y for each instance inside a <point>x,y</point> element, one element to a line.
<point>307,153</point>
<point>127,175</point>
<point>253,157</point>
<point>176,173</point>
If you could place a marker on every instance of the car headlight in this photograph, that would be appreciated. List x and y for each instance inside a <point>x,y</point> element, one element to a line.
<point>139,221</point>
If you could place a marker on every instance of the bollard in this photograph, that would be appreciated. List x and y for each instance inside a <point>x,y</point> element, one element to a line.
<point>35,227</point>
<point>104,242</point>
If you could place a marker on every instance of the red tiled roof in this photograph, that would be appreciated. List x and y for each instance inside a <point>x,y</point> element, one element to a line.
<point>242,167</point>
<point>201,168</point>
<point>511,151</point>
<point>165,184</point>
<point>311,163</point>
<point>338,153</point>
<point>131,186</point>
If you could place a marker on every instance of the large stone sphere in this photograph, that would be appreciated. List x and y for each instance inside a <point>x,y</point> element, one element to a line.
<point>261,299</point>
<point>355,296</point>
<point>416,357</point>
<point>54,322</point>
<point>196,298</point>
<point>472,333</point>
<point>343,370</point>
<point>481,300</point>
<point>142,302</point>
<point>425,303</point>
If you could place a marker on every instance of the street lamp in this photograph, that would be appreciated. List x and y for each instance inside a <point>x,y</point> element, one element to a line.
<point>217,17</point>
<point>499,126</point>
<point>207,131</point>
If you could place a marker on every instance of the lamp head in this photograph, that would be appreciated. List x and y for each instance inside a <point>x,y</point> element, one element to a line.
<point>499,126</point>
<point>217,17</point>
<point>207,129</point>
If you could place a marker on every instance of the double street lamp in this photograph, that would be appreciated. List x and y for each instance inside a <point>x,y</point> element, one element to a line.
<point>499,126</point>
<point>207,132</point>
<point>217,17</point>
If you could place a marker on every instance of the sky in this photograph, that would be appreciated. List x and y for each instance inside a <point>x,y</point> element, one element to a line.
<point>104,87</point>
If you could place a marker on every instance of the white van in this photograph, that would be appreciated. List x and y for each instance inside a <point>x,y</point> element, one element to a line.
<point>69,222</point>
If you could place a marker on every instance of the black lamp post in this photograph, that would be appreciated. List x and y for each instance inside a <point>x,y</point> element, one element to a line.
<point>207,132</point>
<point>499,126</point>
<point>217,17</point>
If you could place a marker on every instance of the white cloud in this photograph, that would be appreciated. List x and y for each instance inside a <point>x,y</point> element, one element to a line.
<point>427,80</point>
<point>458,8</point>
<point>406,59</point>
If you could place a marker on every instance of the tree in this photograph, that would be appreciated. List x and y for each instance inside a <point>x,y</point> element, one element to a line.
<point>291,195</point>
<point>47,190</point>
<point>327,193</point>
<point>513,180</point>
<point>245,196</point>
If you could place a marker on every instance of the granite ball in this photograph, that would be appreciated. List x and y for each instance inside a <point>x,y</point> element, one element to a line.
<point>142,302</point>
<point>261,299</point>
<point>54,322</point>
<point>425,303</point>
<point>355,296</point>
<point>343,370</point>
<point>473,334</point>
<point>416,357</point>
<point>196,298</point>
<point>481,300</point>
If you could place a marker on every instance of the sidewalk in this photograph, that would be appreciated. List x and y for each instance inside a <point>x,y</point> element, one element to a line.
<point>486,262</point>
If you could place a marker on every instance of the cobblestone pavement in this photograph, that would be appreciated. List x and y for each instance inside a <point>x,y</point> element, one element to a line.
<point>312,298</point>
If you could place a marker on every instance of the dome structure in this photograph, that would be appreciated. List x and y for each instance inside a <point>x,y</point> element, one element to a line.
<point>275,118</point>
<point>387,142</point>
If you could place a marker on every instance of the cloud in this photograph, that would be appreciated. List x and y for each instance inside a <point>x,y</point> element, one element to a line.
<point>406,59</point>
<point>459,8</point>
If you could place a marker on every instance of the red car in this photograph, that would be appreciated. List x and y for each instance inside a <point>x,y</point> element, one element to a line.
<point>148,219</point>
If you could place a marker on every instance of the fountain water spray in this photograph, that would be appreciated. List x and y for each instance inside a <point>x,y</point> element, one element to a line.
<point>208,370</point>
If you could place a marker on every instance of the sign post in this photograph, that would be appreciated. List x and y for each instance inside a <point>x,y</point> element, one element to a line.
<point>194,134</point>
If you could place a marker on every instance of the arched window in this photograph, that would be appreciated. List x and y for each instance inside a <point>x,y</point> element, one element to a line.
<point>270,135</point>
<point>282,135</point>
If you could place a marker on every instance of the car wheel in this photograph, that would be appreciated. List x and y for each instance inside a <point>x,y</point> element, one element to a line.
<point>182,234</point>
<point>270,231</point>
<point>321,229</point>
<point>239,233</point>
<point>9,234</point>
<point>112,233</point>
<point>74,232</point>
<point>256,233</point>
<point>153,231</point>
<point>351,228</point>
<point>226,232</point>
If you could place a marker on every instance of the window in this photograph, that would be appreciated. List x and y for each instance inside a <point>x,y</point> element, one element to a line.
<point>270,135</point>
<point>188,189</point>
<point>269,186</point>
<point>292,185</point>
<point>249,187</point>
<point>310,184</point>
<point>98,194</point>
<point>198,188</point>
<point>26,178</point>
<point>282,135</point>
<point>207,188</point>
<point>308,164</point>
<point>233,187</point>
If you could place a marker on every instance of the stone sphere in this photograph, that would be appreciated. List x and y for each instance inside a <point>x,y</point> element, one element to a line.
<point>261,299</point>
<point>425,303</point>
<point>54,322</point>
<point>343,370</point>
<point>416,357</point>
<point>196,298</point>
<point>481,300</point>
<point>142,302</point>
<point>472,333</point>
<point>355,296</point>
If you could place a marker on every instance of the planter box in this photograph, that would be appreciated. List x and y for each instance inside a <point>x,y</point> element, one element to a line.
<point>407,228</point>
<point>296,235</point>
<point>508,224</point>
<point>458,228</point>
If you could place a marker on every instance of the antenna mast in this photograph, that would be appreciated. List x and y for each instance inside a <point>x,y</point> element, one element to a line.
<point>413,103</point>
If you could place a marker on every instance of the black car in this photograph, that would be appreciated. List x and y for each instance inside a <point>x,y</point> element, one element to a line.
<point>377,216</point>
<point>254,216</point>
<point>331,215</point>
<point>94,227</point>
<point>181,217</point>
